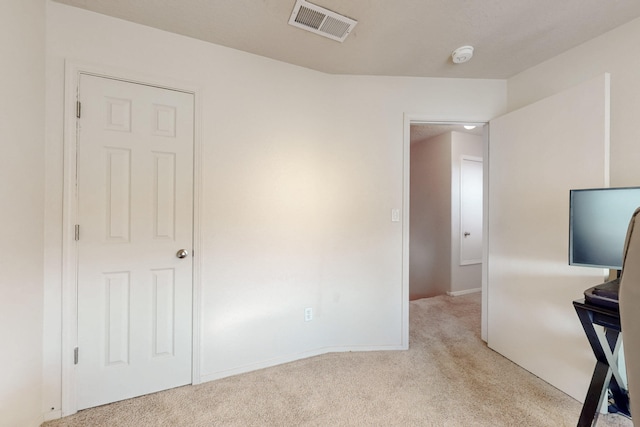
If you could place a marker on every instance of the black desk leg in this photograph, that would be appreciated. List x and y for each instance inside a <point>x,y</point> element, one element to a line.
<point>620,396</point>
<point>591,407</point>
<point>599,380</point>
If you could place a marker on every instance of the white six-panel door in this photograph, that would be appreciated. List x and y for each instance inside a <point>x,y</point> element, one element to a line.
<point>135,212</point>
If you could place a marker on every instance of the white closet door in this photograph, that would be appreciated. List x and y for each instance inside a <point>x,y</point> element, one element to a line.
<point>135,210</point>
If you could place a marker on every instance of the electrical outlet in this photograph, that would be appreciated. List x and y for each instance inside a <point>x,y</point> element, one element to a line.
<point>308,314</point>
<point>395,215</point>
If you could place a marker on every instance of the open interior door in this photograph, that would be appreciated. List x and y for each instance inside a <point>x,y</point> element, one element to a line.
<point>536,154</point>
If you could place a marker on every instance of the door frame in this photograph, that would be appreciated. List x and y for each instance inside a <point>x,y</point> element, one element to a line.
<point>73,70</point>
<point>424,118</point>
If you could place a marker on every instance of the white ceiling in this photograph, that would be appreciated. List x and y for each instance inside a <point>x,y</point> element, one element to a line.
<point>392,37</point>
<point>424,131</point>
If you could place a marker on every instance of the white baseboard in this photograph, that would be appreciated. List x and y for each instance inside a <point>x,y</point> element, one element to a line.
<point>291,358</point>
<point>465,292</point>
<point>52,415</point>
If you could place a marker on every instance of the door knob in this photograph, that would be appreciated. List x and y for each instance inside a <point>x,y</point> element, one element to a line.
<point>466,233</point>
<point>182,253</point>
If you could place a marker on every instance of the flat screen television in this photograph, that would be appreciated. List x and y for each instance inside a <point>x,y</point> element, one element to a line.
<point>598,222</point>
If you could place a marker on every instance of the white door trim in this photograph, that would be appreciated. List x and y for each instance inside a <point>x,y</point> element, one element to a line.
<point>73,70</point>
<point>416,118</point>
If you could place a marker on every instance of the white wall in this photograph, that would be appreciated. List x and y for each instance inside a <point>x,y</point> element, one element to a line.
<point>301,171</point>
<point>430,239</point>
<point>608,53</point>
<point>22,48</point>
<point>463,277</point>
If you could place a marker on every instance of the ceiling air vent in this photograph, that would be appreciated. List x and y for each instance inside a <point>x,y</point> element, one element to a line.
<point>321,21</point>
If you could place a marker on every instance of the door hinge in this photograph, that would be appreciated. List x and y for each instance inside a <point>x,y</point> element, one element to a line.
<point>78,109</point>
<point>75,356</point>
<point>77,232</point>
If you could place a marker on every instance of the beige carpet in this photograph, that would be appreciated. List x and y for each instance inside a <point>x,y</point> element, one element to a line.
<point>448,378</point>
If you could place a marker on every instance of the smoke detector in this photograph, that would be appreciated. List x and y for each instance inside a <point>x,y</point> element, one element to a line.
<point>321,21</point>
<point>462,54</point>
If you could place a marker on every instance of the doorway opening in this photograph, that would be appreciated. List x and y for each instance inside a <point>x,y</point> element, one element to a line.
<point>446,200</point>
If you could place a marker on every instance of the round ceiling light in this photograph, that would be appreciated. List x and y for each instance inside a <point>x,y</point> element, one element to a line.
<point>462,54</point>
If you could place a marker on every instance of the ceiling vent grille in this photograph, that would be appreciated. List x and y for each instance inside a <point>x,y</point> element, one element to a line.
<point>321,21</point>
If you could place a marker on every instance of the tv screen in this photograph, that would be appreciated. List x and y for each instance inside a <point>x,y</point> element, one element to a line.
<point>598,222</point>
